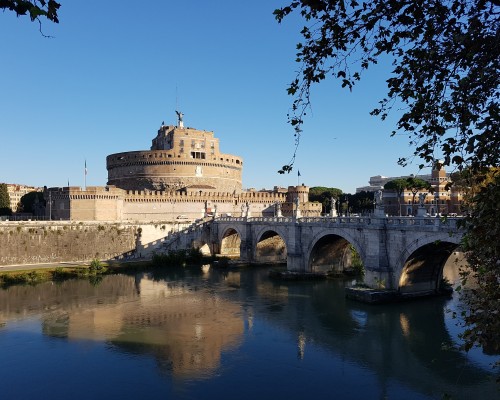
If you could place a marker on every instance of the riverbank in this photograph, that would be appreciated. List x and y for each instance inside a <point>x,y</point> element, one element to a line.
<point>38,273</point>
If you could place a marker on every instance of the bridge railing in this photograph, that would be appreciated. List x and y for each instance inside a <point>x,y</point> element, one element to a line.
<point>337,220</point>
<point>255,219</point>
<point>393,221</point>
<point>428,221</point>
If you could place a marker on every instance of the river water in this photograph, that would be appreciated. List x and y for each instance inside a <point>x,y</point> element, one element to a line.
<point>218,334</point>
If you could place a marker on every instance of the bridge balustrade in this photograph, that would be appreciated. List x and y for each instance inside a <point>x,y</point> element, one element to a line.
<point>430,221</point>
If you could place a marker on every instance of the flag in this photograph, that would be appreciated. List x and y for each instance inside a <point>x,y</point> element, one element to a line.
<point>298,173</point>
<point>85,167</point>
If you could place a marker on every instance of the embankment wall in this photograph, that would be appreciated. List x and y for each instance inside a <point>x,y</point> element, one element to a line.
<point>36,242</point>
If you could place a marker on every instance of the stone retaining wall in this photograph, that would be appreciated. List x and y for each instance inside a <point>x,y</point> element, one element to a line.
<point>46,242</point>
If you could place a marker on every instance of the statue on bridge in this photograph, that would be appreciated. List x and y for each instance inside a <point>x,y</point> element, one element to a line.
<point>277,209</point>
<point>421,199</point>
<point>379,197</point>
<point>333,210</point>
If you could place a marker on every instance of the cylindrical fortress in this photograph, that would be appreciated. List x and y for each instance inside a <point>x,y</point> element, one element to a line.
<point>180,158</point>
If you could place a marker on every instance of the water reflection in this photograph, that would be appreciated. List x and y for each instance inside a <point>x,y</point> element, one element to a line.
<point>189,320</point>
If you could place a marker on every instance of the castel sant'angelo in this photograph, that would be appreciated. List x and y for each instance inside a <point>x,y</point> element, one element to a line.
<point>184,176</point>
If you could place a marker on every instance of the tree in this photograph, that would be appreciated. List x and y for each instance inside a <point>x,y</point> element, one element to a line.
<point>483,249</point>
<point>398,185</point>
<point>324,195</point>
<point>361,202</point>
<point>415,185</point>
<point>445,57</point>
<point>4,200</point>
<point>445,78</point>
<point>34,8</point>
<point>29,200</point>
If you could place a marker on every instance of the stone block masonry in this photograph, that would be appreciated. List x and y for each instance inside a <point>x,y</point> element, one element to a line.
<point>46,242</point>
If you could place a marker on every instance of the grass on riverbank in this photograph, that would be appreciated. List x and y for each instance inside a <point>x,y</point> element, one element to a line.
<point>35,276</point>
<point>97,269</point>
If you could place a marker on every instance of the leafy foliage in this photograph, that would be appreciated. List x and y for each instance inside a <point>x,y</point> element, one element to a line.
<point>95,266</point>
<point>29,199</point>
<point>413,184</point>
<point>483,247</point>
<point>398,185</point>
<point>361,202</point>
<point>445,57</point>
<point>4,200</point>
<point>324,195</point>
<point>34,8</point>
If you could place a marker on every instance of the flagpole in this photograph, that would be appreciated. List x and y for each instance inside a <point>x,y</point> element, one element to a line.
<point>85,177</point>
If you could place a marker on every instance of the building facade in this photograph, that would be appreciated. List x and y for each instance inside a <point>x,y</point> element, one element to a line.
<point>17,191</point>
<point>441,199</point>
<point>179,159</point>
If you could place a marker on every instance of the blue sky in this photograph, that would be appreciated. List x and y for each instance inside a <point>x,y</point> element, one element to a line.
<point>115,70</point>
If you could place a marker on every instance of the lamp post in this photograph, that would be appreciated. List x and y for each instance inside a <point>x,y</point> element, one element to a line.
<point>436,201</point>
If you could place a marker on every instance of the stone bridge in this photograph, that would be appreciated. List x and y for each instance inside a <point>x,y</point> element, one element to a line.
<point>403,253</point>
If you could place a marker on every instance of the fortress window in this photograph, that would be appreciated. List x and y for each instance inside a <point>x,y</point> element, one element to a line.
<point>198,154</point>
<point>237,161</point>
<point>181,142</point>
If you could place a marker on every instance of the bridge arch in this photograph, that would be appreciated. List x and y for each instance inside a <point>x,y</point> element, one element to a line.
<point>332,250</point>
<point>420,266</point>
<point>203,246</point>
<point>230,242</point>
<point>270,246</point>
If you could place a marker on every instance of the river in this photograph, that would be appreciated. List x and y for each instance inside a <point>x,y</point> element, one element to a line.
<point>228,334</point>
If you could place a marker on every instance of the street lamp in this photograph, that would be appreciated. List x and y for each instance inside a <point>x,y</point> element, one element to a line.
<point>436,201</point>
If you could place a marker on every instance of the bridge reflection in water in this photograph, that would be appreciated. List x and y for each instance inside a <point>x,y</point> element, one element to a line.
<point>221,332</point>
